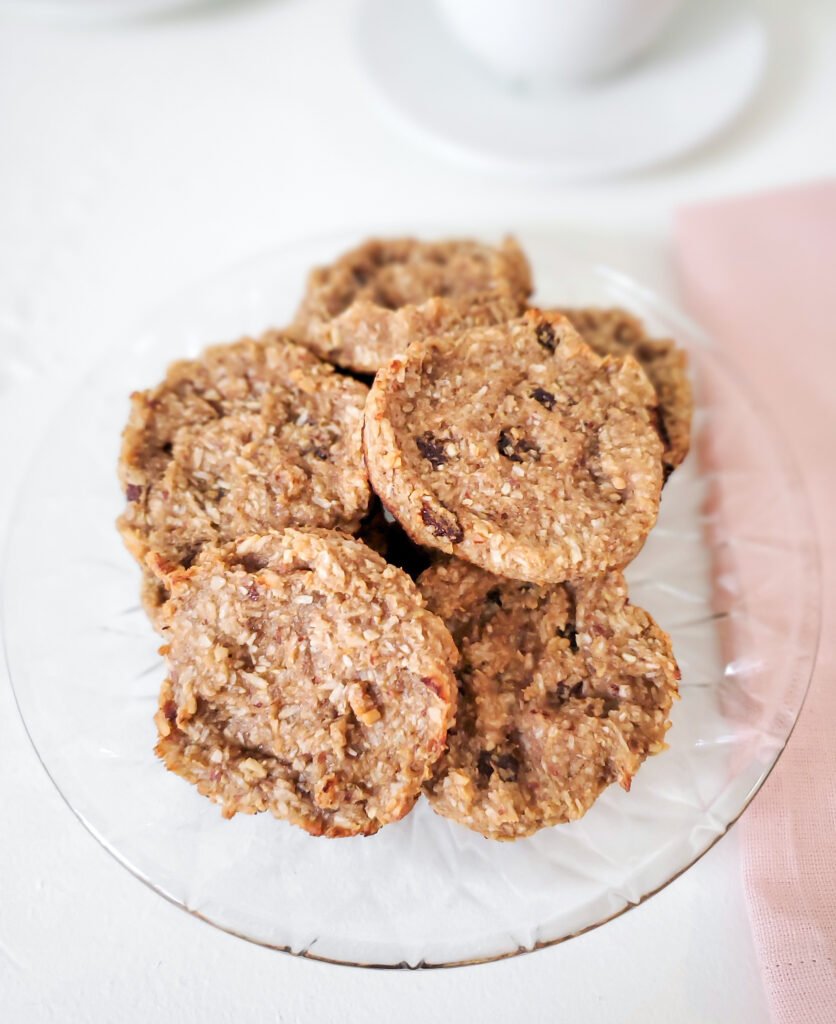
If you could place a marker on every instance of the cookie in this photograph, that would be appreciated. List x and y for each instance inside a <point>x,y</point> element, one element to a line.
<point>563,689</point>
<point>365,308</point>
<point>517,448</point>
<point>305,678</point>
<point>251,436</point>
<point>616,332</point>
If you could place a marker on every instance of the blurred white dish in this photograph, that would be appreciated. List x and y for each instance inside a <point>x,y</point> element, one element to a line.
<point>729,570</point>
<point>556,40</point>
<point>685,91</point>
<point>94,10</point>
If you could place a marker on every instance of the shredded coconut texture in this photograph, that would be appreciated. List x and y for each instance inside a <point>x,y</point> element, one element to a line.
<point>519,449</point>
<point>251,436</point>
<point>306,678</point>
<point>562,691</point>
<point>616,332</point>
<point>365,308</point>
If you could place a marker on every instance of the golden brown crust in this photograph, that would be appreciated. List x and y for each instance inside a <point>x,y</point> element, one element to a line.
<point>365,308</point>
<point>617,332</point>
<point>517,448</point>
<point>307,679</point>
<point>562,691</point>
<point>153,595</point>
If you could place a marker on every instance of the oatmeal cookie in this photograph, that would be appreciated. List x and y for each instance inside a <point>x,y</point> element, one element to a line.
<point>617,332</point>
<point>518,449</point>
<point>306,678</point>
<point>251,436</point>
<point>562,690</point>
<point>364,309</point>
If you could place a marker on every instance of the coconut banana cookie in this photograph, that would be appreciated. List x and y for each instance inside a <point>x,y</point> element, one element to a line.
<point>562,691</point>
<point>369,305</point>
<point>305,678</point>
<point>517,448</point>
<point>251,436</point>
<point>616,332</point>
<point>281,491</point>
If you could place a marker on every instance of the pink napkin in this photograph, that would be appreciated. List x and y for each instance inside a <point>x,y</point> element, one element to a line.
<point>760,274</point>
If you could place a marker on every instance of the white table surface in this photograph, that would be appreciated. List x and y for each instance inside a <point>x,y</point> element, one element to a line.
<point>136,158</point>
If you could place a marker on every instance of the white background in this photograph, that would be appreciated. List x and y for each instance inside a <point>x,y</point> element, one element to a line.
<point>137,158</point>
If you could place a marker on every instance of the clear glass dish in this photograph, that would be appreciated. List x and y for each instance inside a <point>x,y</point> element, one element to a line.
<point>730,571</point>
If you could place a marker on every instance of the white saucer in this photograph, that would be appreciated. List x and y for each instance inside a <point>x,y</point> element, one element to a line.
<point>93,11</point>
<point>696,80</point>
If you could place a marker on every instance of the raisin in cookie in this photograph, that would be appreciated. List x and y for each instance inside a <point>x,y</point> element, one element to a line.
<point>251,436</point>
<point>364,309</point>
<point>306,678</point>
<point>517,448</point>
<point>616,332</point>
<point>562,690</point>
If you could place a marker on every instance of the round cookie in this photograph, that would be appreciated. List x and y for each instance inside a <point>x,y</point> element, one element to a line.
<point>306,678</point>
<point>562,690</point>
<point>617,332</point>
<point>365,308</point>
<point>251,436</point>
<point>517,448</point>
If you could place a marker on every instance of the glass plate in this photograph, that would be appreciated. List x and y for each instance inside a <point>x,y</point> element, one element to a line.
<point>730,571</point>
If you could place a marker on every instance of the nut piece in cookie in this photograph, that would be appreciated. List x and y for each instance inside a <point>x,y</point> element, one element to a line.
<point>364,309</point>
<point>616,332</point>
<point>517,448</point>
<point>305,678</point>
<point>252,436</point>
<point>562,690</point>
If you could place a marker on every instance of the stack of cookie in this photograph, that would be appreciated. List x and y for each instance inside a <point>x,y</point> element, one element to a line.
<point>417,420</point>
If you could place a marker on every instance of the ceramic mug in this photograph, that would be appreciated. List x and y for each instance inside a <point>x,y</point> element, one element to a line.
<point>547,40</point>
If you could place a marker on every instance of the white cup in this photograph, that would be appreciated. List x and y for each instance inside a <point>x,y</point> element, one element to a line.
<point>534,41</point>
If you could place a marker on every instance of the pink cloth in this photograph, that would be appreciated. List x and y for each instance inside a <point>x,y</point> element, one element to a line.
<point>760,274</point>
